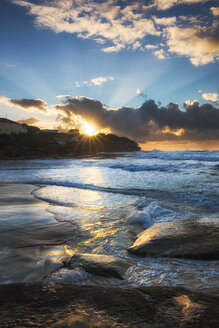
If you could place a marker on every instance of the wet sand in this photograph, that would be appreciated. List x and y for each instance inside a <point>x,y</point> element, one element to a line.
<point>32,241</point>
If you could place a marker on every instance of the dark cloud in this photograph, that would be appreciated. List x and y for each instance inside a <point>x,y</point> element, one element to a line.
<point>148,122</point>
<point>29,121</point>
<point>29,103</point>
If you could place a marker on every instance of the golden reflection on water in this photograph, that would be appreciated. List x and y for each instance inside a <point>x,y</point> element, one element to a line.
<point>92,175</point>
<point>90,200</point>
<point>93,199</point>
<point>69,251</point>
<point>101,233</point>
<point>54,252</point>
<point>92,207</point>
<point>102,228</point>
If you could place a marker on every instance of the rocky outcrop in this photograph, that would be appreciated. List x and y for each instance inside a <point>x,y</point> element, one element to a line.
<point>105,307</point>
<point>192,238</point>
<point>101,265</point>
<point>61,145</point>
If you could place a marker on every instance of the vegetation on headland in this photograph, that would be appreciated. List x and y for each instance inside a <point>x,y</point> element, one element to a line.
<point>36,144</point>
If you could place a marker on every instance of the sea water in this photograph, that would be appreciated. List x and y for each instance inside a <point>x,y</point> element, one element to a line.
<point>109,200</point>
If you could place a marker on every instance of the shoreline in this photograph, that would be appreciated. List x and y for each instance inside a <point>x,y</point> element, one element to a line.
<point>31,303</point>
<point>35,243</point>
<point>32,241</point>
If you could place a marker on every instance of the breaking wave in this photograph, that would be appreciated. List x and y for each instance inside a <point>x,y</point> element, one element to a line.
<point>154,213</point>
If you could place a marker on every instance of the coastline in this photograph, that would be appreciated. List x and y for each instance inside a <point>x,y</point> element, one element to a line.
<point>43,145</point>
<point>40,241</point>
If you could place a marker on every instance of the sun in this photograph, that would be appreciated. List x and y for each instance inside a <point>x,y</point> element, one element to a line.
<point>89,129</point>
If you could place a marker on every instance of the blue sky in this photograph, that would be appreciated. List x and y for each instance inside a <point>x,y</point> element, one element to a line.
<point>166,50</point>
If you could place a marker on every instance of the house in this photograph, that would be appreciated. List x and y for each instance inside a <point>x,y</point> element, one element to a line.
<point>11,127</point>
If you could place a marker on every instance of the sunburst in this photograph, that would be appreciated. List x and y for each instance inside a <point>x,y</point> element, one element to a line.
<point>89,129</point>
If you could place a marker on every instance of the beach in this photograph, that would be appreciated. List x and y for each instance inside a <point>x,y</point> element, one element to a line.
<point>67,222</point>
<point>32,242</point>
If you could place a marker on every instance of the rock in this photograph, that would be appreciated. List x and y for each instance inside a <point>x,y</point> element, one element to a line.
<point>68,305</point>
<point>191,238</point>
<point>61,145</point>
<point>101,265</point>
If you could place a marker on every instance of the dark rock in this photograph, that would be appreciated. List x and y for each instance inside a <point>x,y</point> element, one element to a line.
<point>105,307</point>
<point>33,145</point>
<point>192,238</point>
<point>101,265</point>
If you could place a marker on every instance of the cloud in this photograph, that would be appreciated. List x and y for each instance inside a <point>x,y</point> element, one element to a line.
<point>189,103</point>
<point>63,96</point>
<point>150,46</point>
<point>29,121</point>
<point>149,122</point>
<point>166,4</point>
<point>116,48</point>
<point>118,25</point>
<point>26,104</point>
<point>137,45</point>
<point>82,83</point>
<point>101,79</point>
<point>213,97</point>
<point>165,20</point>
<point>138,92</point>
<point>95,81</point>
<point>194,43</point>
<point>159,54</point>
<point>104,21</point>
<point>215,11</point>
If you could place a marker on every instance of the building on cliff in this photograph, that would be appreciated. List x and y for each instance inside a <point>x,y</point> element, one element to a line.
<point>10,127</point>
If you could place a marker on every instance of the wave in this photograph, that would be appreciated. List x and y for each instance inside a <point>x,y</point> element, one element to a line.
<point>92,187</point>
<point>205,198</point>
<point>139,168</point>
<point>166,167</point>
<point>209,156</point>
<point>153,213</point>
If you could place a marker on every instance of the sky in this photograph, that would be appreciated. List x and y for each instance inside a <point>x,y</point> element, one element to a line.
<point>147,70</point>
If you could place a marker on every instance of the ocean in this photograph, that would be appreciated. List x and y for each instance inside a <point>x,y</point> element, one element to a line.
<point>107,201</point>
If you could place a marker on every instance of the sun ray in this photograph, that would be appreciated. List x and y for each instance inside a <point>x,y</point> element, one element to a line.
<point>89,129</point>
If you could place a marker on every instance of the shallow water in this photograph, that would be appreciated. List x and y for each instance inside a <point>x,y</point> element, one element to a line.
<point>99,205</point>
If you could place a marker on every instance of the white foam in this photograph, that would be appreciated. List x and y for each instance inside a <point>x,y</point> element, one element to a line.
<point>139,167</point>
<point>151,214</point>
<point>76,276</point>
<point>208,156</point>
<point>201,275</point>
